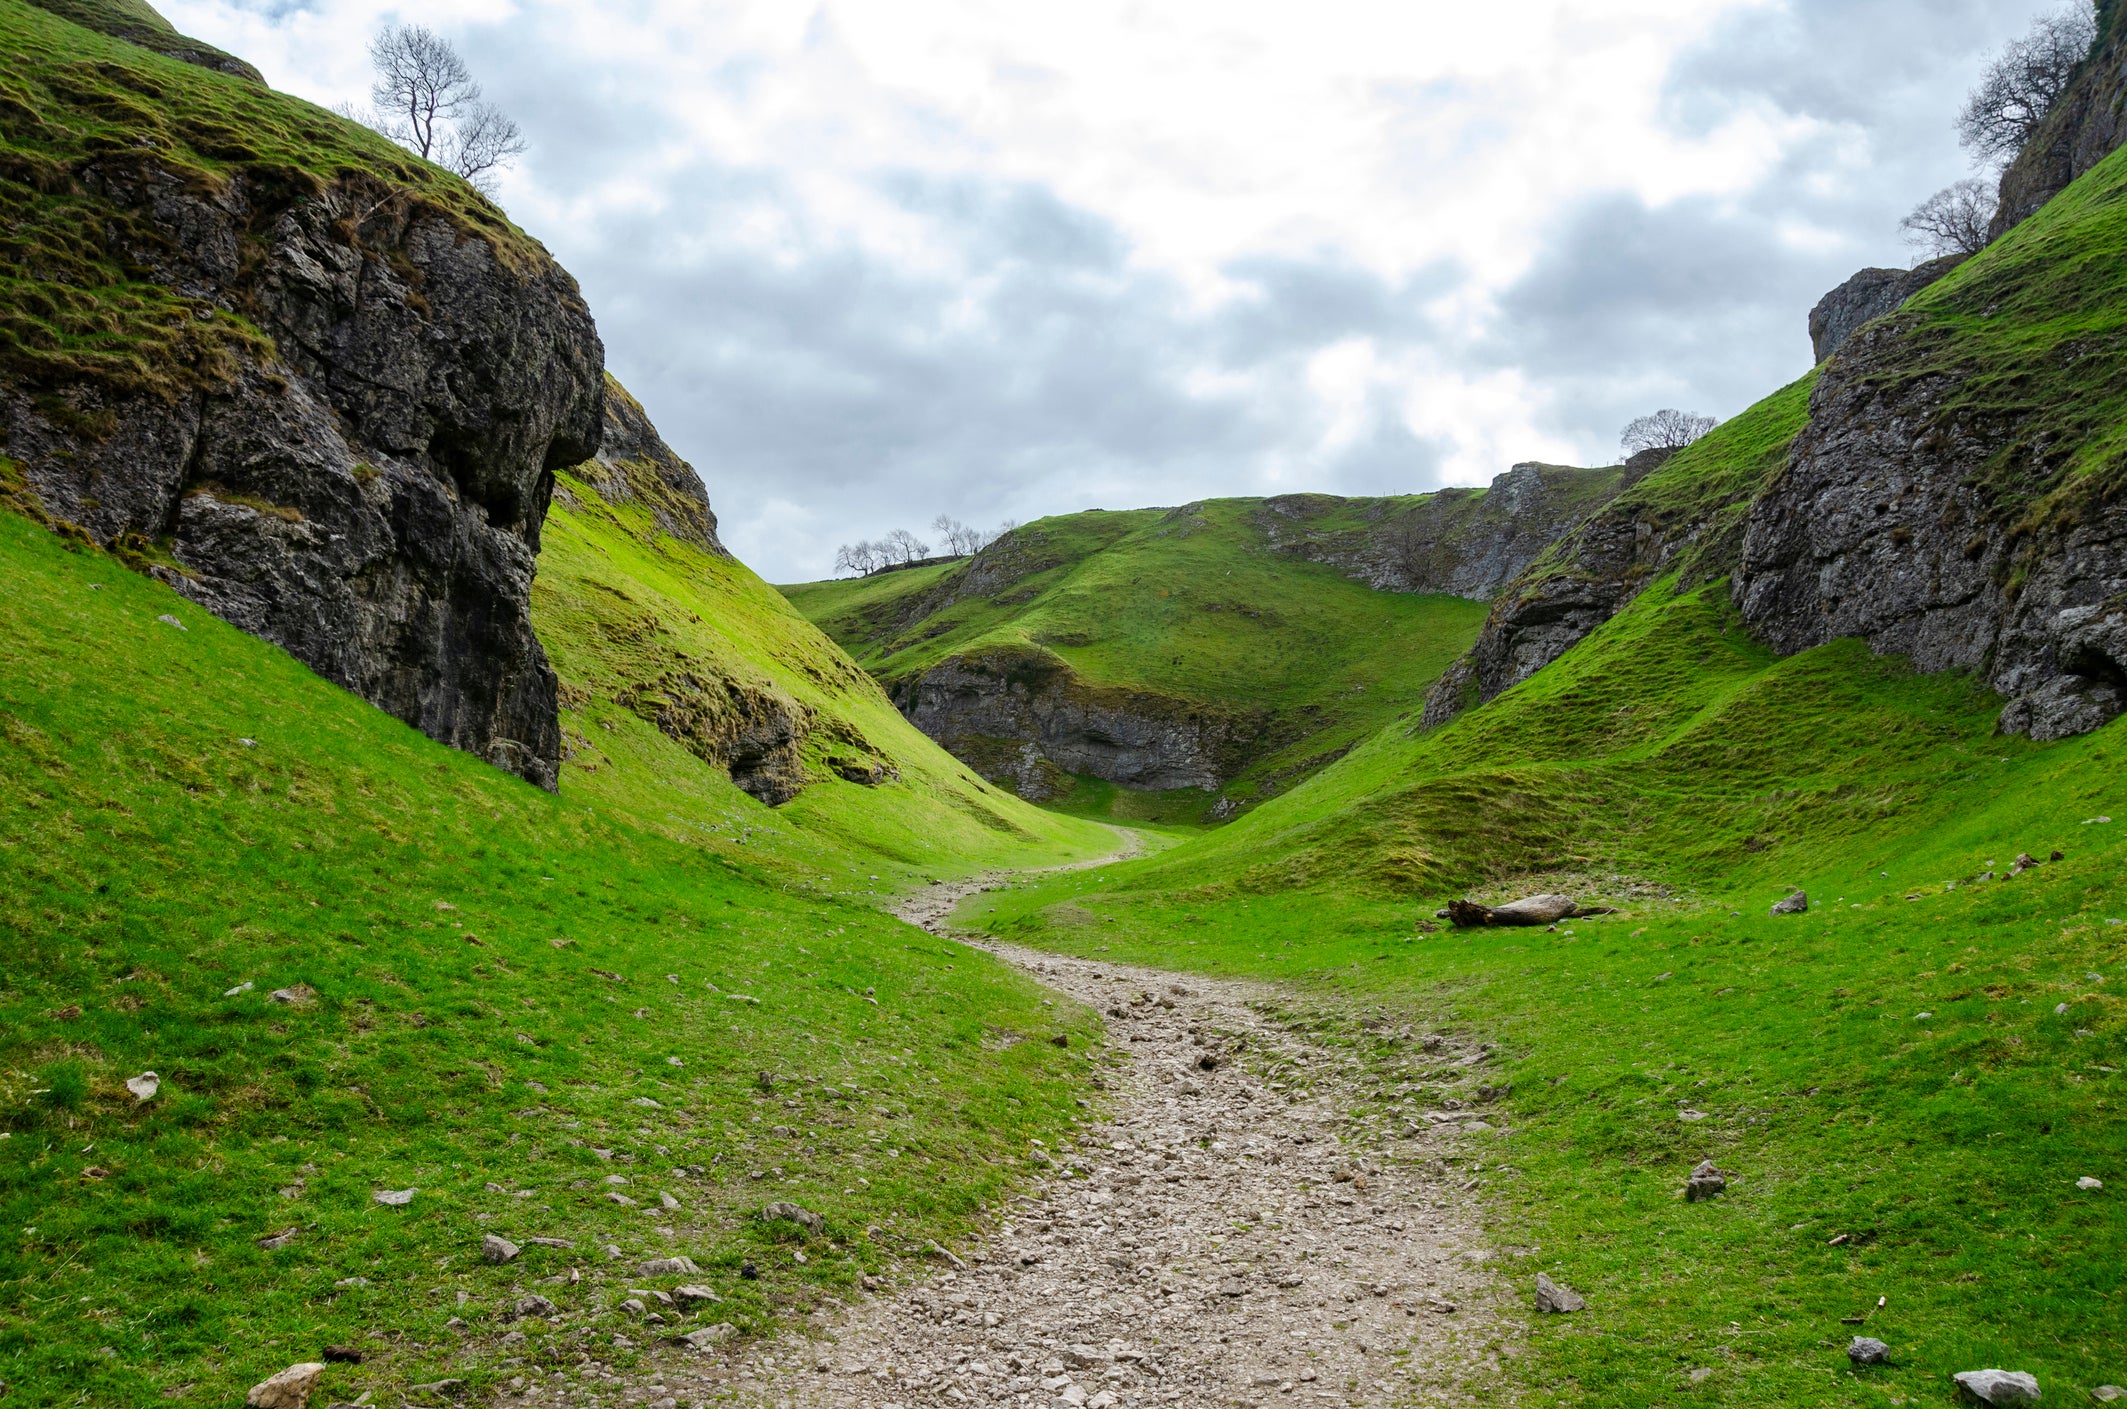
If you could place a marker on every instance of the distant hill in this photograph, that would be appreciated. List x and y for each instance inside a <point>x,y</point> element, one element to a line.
<point>1183,664</point>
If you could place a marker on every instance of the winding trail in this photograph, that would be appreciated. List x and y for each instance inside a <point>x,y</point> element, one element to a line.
<point>1214,1241</point>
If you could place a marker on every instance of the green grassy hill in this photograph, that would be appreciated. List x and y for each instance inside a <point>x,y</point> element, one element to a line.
<point>1906,1084</point>
<point>502,997</point>
<point>1189,609</point>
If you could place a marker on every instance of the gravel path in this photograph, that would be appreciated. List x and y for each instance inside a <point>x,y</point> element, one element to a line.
<point>1213,1242</point>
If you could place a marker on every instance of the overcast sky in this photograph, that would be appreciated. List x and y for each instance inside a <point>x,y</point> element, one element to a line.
<point>869,262</point>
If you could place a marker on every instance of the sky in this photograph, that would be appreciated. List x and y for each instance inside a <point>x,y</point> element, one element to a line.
<point>868,263</point>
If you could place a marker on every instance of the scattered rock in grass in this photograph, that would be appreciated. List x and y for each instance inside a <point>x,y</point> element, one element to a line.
<point>1998,1386</point>
<point>274,1242</point>
<point>1704,1183</point>
<point>496,1249</point>
<point>667,1266</point>
<point>290,1389</point>
<point>1690,1115</point>
<point>2060,1010</point>
<point>2086,1182</point>
<point>634,1304</point>
<point>1867,1350</point>
<point>395,1198</point>
<point>300,995</point>
<point>622,1199</point>
<point>144,1086</point>
<point>1795,904</point>
<point>352,1282</point>
<point>2106,1394</point>
<point>245,987</point>
<point>667,1200</point>
<point>708,1336</point>
<point>693,1292</point>
<point>1553,1299</point>
<point>534,1306</point>
<point>785,1212</point>
<point>169,620</point>
<point>342,1355</point>
<point>550,1242</point>
<point>449,1389</point>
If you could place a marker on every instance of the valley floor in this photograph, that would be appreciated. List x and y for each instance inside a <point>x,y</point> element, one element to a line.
<point>1216,1239</point>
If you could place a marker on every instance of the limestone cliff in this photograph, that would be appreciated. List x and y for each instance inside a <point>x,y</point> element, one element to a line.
<point>1867,296</point>
<point>1470,542</point>
<point>322,393</point>
<point>2087,124</point>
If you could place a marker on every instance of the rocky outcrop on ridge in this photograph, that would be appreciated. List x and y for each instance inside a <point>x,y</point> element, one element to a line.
<point>1867,296</point>
<point>1022,718</point>
<point>635,466</point>
<point>137,23</point>
<point>1468,542</point>
<point>2087,124</point>
<point>359,471</point>
<point>1890,525</point>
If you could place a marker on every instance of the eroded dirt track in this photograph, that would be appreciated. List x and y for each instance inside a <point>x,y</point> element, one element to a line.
<point>1212,1240</point>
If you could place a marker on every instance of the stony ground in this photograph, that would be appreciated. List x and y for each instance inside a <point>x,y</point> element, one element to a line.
<point>1214,1241</point>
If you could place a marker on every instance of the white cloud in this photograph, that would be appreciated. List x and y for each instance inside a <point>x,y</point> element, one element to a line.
<point>868,262</point>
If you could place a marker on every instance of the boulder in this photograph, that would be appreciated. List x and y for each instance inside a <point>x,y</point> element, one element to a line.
<point>1867,1350</point>
<point>1553,1299</point>
<point>1704,1183</point>
<point>1865,298</point>
<point>1998,1386</point>
<point>496,1249</point>
<point>290,1389</point>
<point>1530,912</point>
<point>1795,904</point>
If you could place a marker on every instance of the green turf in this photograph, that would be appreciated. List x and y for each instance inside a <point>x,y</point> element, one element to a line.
<point>1710,778</point>
<point>1190,606</point>
<point>188,811</point>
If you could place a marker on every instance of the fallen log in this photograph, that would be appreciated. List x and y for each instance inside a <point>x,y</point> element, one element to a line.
<point>1529,912</point>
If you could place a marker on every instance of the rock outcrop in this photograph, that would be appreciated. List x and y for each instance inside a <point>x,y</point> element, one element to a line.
<point>1682,513</point>
<point>1891,524</point>
<point>1468,542</point>
<point>1866,297</point>
<point>2086,124</point>
<point>358,468</point>
<point>1024,720</point>
<point>137,23</point>
<point>635,466</point>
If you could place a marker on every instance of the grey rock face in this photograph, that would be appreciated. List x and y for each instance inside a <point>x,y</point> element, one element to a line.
<point>1998,1386</point>
<point>1467,542</point>
<point>635,466</point>
<point>367,494</point>
<point>1866,297</point>
<point>1879,529</point>
<point>1024,720</point>
<point>2086,124</point>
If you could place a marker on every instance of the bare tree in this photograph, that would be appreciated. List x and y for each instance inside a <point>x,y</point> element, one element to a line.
<point>959,539</point>
<point>426,101</point>
<point>1954,220</point>
<point>2021,86</point>
<point>901,546</point>
<point>486,140</point>
<point>1665,430</point>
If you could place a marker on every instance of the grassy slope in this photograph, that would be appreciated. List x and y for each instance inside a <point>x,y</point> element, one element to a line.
<point>69,307</point>
<point>1896,1067</point>
<point>617,601</point>
<point>1191,605</point>
<point>454,923</point>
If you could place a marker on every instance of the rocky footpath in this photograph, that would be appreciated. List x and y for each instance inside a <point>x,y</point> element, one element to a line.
<point>1023,718</point>
<point>358,470</point>
<point>1468,542</point>
<point>1216,1240</point>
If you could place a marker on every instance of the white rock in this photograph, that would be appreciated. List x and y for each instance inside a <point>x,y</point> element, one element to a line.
<point>173,621</point>
<point>2086,1182</point>
<point>1999,1386</point>
<point>244,987</point>
<point>693,1292</point>
<point>668,1267</point>
<point>290,1389</point>
<point>144,1086</point>
<point>395,1198</point>
<point>709,1335</point>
